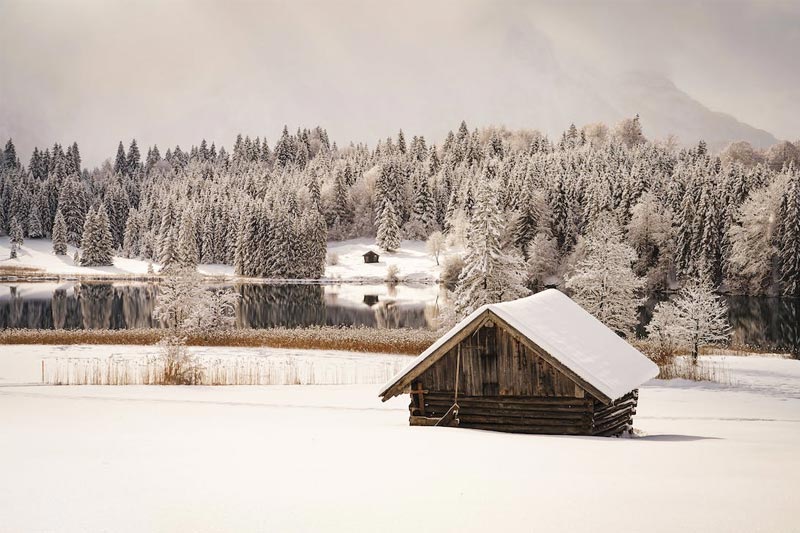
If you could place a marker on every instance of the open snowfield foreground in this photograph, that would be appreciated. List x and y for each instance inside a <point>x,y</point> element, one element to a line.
<point>334,458</point>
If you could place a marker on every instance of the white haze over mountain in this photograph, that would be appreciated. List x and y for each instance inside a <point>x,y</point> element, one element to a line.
<point>174,72</point>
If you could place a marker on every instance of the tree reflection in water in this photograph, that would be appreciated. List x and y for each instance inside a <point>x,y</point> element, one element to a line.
<point>765,323</point>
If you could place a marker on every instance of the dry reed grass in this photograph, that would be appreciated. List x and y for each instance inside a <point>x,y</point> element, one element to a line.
<point>401,341</point>
<point>152,370</point>
<point>18,270</point>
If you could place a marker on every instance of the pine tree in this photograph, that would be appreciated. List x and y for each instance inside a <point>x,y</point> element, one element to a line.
<point>388,228</point>
<point>121,162</point>
<point>16,232</point>
<point>188,256</point>
<point>72,204</point>
<point>35,230</point>
<point>59,235</point>
<point>104,247</point>
<point>490,274</point>
<point>790,237</point>
<point>89,239</point>
<point>134,159</point>
<point>603,281</point>
<point>10,159</point>
<point>685,254</point>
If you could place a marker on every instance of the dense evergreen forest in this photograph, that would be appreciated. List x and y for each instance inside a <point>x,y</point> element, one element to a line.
<point>731,219</point>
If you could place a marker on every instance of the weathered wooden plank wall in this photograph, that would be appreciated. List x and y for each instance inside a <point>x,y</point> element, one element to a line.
<point>494,363</point>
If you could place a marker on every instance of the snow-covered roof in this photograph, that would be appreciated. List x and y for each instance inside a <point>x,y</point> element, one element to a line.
<point>568,333</point>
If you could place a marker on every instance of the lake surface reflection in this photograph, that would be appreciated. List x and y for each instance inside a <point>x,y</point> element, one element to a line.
<point>764,323</point>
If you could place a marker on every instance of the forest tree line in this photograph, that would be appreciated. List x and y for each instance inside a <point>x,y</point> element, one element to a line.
<point>731,219</point>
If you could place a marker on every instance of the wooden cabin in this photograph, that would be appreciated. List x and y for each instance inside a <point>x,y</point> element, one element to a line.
<point>540,364</point>
<point>371,257</point>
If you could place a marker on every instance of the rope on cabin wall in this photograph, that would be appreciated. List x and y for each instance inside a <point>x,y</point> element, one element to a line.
<point>458,371</point>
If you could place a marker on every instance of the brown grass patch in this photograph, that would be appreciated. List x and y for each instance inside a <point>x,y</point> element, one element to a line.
<point>18,270</point>
<point>401,341</point>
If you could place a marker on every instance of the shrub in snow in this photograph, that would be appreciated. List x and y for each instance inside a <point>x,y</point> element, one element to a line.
<point>333,259</point>
<point>180,367</point>
<point>13,254</point>
<point>451,270</point>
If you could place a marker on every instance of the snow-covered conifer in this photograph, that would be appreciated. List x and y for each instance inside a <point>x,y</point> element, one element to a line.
<point>490,274</point>
<point>15,232</point>
<point>188,256</point>
<point>388,228</point>
<point>790,237</point>
<point>59,235</point>
<point>603,281</point>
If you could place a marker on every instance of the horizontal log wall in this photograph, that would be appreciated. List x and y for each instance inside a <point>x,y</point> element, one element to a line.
<point>615,418</point>
<point>560,416</point>
<point>525,414</point>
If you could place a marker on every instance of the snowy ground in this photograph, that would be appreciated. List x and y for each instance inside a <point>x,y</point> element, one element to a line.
<point>413,262</point>
<point>334,458</point>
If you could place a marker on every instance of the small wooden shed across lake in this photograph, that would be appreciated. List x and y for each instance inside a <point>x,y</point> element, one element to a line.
<point>540,364</point>
<point>371,257</point>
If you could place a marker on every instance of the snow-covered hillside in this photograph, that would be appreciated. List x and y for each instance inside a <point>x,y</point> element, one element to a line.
<point>414,263</point>
<point>311,458</point>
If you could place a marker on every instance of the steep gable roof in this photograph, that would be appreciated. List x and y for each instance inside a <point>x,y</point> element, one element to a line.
<point>567,333</point>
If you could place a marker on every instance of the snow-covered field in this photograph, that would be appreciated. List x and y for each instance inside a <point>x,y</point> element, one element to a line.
<point>321,458</point>
<point>413,262</point>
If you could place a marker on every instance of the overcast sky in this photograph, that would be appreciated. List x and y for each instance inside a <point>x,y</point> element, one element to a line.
<point>173,72</point>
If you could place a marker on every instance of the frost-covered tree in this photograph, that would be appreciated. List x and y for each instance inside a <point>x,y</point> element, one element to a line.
<point>542,261</point>
<point>59,235</point>
<point>649,232</point>
<point>436,245</point>
<point>696,317</point>
<point>663,329</point>
<point>603,281</point>
<point>388,228</point>
<point>629,132</point>
<point>490,274</point>
<point>752,246</point>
